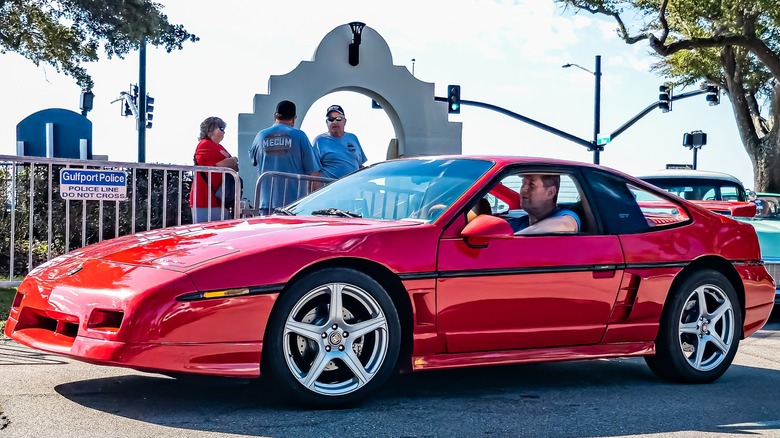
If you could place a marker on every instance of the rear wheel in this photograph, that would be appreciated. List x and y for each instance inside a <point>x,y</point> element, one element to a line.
<point>332,339</point>
<point>700,328</point>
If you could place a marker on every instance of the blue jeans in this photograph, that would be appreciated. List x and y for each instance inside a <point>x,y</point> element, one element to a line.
<point>209,214</point>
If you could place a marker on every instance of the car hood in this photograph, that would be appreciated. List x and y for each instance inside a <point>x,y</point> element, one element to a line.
<point>180,248</point>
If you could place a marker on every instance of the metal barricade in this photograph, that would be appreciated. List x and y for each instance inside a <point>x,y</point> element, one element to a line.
<point>268,195</point>
<point>38,224</point>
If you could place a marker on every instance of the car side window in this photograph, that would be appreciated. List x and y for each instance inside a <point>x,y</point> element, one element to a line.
<point>506,200</point>
<point>658,212</point>
<point>628,209</point>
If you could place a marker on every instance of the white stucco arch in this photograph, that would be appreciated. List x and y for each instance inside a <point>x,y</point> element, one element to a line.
<point>420,123</point>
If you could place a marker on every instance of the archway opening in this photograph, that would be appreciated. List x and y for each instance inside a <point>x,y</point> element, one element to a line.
<point>372,126</point>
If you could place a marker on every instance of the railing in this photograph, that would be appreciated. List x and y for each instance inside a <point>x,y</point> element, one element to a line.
<point>37,223</point>
<point>293,187</point>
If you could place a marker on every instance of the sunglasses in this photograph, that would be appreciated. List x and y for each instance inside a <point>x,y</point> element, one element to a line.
<point>222,129</point>
<point>335,119</point>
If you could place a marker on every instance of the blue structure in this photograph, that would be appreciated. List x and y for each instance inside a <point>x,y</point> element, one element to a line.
<point>55,133</point>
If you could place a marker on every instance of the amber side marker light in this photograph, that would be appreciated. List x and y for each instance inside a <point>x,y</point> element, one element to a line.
<point>230,293</point>
<point>216,294</point>
<point>226,293</point>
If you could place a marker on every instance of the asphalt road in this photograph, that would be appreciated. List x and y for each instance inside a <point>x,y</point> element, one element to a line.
<point>43,395</point>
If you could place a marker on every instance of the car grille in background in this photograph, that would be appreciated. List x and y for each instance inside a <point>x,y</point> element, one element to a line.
<point>774,270</point>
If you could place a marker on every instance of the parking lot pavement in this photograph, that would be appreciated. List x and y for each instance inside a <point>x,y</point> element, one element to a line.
<point>45,395</point>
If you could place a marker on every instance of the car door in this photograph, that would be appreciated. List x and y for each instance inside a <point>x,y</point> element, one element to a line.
<point>527,291</point>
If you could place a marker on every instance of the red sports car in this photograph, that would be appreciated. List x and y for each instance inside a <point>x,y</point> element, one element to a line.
<point>389,270</point>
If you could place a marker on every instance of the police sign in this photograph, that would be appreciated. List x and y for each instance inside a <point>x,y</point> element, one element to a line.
<point>84,184</point>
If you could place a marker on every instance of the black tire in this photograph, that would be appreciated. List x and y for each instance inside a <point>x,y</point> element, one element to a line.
<point>331,360</point>
<point>696,344</point>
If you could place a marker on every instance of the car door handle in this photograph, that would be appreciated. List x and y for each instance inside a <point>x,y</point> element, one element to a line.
<point>604,271</point>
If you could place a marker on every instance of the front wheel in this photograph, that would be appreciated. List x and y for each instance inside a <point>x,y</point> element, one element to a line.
<point>332,339</point>
<point>700,328</point>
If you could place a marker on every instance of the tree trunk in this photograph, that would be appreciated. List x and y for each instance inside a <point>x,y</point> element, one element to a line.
<point>764,154</point>
<point>759,137</point>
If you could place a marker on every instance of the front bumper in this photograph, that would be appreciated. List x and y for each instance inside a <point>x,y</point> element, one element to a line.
<point>226,359</point>
<point>145,331</point>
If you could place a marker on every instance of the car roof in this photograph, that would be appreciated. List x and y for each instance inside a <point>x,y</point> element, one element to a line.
<point>693,174</point>
<point>504,159</point>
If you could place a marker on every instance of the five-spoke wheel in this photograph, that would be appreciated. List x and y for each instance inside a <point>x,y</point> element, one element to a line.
<point>700,330</point>
<point>333,338</point>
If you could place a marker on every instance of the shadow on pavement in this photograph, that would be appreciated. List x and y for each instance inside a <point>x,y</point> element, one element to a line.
<point>594,398</point>
<point>14,354</point>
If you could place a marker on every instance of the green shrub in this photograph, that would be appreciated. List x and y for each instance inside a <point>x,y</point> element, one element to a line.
<point>6,297</point>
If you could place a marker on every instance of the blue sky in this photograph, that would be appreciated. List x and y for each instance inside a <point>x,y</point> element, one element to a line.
<point>506,53</point>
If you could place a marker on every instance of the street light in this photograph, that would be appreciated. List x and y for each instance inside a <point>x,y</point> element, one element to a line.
<point>596,147</point>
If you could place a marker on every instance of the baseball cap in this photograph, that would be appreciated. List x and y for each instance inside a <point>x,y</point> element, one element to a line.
<point>285,110</point>
<point>336,108</point>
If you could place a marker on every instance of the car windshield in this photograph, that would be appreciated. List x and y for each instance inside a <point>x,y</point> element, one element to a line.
<point>767,206</point>
<point>701,189</point>
<point>416,189</point>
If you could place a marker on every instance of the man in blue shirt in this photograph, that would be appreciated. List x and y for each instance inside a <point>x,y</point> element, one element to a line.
<point>339,152</point>
<point>283,148</point>
<point>539,194</point>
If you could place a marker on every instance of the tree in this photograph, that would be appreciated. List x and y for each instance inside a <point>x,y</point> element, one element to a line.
<point>68,33</point>
<point>733,44</point>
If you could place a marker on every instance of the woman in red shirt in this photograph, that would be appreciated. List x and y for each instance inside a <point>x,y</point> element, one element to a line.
<point>210,152</point>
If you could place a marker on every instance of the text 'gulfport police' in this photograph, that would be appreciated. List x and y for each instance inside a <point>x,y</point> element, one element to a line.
<point>79,176</point>
<point>87,184</point>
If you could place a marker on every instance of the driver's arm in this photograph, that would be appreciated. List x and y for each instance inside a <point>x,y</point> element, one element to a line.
<point>557,224</point>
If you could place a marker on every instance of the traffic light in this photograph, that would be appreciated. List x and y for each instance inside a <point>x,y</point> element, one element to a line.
<point>86,102</point>
<point>453,99</point>
<point>134,92</point>
<point>665,98</point>
<point>694,139</point>
<point>713,95</point>
<point>149,109</point>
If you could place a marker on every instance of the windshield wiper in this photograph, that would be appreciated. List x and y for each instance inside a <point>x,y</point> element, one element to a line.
<point>335,212</point>
<point>284,211</point>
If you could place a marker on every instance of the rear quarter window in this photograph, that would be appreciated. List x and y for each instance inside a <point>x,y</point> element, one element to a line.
<point>628,209</point>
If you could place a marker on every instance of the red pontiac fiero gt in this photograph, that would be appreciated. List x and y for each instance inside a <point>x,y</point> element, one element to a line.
<point>389,269</point>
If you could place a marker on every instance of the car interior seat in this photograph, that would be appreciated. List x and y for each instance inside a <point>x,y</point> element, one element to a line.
<point>482,207</point>
<point>587,222</point>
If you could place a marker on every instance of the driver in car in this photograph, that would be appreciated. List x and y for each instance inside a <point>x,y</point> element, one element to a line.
<point>539,194</point>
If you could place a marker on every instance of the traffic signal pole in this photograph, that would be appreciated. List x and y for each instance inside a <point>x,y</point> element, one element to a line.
<point>514,115</point>
<point>650,108</point>
<point>141,117</point>
<point>573,138</point>
<point>597,112</point>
